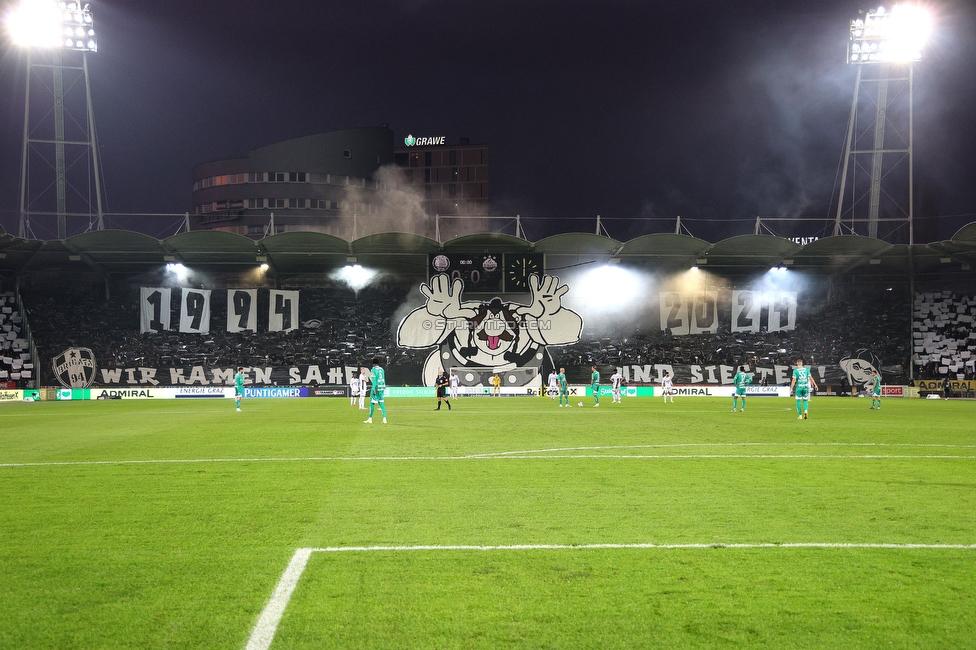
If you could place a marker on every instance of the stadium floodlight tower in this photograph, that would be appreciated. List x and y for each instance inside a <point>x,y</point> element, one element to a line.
<point>879,158</point>
<point>60,171</point>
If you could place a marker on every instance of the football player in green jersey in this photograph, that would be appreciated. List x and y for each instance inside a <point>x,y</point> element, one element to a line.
<point>563,387</point>
<point>595,378</point>
<point>874,385</point>
<point>239,388</point>
<point>800,387</point>
<point>377,391</point>
<point>741,380</point>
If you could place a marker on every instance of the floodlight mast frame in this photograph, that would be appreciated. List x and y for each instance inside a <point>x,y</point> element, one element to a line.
<point>77,18</point>
<point>868,49</point>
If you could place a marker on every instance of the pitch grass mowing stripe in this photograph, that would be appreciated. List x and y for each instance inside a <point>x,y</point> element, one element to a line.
<point>267,625</point>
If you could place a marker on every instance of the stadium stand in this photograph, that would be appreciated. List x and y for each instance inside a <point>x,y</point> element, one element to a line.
<point>858,304</point>
<point>341,327</point>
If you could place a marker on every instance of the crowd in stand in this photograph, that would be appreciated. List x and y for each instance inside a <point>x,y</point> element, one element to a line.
<point>340,327</point>
<point>870,325</point>
<point>16,366</point>
<point>944,336</point>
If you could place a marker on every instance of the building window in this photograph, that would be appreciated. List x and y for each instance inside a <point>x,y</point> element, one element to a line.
<point>276,203</point>
<point>452,158</point>
<point>452,189</point>
<point>255,177</point>
<point>297,177</point>
<point>296,203</point>
<point>255,203</point>
<point>276,177</point>
<point>401,159</point>
<point>426,159</point>
<point>407,175</point>
<point>427,191</point>
<point>346,153</point>
<point>255,229</point>
<point>427,175</point>
<point>454,174</point>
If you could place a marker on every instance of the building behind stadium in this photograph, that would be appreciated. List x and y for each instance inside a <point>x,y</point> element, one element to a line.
<point>348,183</point>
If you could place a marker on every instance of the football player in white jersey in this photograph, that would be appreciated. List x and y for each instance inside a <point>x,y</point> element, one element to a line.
<point>615,380</point>
<point>365,378</point>
<point>553,388</point>
<point>354,388</point>
<point>455,381</point>
<point>666,387</point>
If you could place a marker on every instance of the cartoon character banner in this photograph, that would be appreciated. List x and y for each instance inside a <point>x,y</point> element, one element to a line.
<point>479,339</point>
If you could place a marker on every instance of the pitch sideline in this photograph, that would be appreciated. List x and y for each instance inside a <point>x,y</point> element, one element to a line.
<point>267,625</point>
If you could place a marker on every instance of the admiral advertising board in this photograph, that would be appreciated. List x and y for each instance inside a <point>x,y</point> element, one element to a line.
<point>328,391</point>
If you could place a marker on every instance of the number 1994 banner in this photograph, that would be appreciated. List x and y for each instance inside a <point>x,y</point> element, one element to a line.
<point>156,310</point>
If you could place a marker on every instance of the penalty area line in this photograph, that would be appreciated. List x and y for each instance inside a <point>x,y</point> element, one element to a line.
<point>267,625</point>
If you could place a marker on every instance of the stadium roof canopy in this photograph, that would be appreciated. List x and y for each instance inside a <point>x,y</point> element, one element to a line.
<point>123,253</point>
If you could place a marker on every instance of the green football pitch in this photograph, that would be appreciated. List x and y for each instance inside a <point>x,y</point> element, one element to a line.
<point>504,523</point>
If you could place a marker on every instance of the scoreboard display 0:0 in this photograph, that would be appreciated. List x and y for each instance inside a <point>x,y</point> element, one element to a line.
<point>479,271</point>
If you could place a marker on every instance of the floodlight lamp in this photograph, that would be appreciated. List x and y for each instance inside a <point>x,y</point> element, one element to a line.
<point>46,24</point>
<point>896,36</point>
<point>34,23</point>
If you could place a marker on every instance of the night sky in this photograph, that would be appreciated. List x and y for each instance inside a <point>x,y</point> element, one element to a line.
<point>712,111</point>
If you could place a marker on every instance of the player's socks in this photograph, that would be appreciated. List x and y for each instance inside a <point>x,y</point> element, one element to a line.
<point>383,409</point>
<point>448,405</point>
<point>799,408</point>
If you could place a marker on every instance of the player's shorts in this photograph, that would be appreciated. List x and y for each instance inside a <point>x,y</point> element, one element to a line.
<point>740,392</point>
<point>802,392</point>
<point>877,392</point>
<point>377,395</point>
<point>564,390</point>
<point>238,393</point>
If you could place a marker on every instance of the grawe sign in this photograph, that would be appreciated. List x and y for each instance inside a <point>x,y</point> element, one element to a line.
<point>424,141</point>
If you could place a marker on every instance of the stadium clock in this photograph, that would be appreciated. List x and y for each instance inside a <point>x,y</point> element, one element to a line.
<point>480,272</point>
<point>518,268</point>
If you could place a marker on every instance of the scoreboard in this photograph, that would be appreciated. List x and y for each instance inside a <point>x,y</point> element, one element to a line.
<point>488,272</point>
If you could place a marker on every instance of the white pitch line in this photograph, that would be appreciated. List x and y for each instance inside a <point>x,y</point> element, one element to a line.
<point>579,547</point>
<point>487,457</point>
<point>264,630</point>
<point>267,626</point>
<point>728,444</point>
